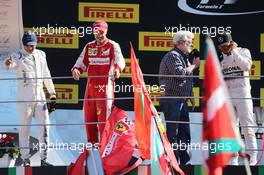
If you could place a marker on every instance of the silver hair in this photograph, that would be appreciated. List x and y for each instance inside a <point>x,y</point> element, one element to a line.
<point>182,35</point>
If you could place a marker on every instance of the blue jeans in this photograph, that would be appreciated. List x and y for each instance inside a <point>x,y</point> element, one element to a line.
<point>178,134</point>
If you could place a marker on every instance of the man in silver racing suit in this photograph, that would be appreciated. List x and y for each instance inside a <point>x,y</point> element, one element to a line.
<point>30,64</point>
<point>236,63</point>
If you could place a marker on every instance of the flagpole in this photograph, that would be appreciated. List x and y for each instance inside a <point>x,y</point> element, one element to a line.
<point>248,171</point>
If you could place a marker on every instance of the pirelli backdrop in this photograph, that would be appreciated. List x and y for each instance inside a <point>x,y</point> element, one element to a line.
<point>64,27</point>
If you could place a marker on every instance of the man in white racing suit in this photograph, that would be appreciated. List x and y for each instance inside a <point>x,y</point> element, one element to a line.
<point>236,63</point>
<point>30,64</point>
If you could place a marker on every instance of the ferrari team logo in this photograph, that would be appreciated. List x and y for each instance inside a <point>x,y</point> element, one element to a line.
<point>121,127</point>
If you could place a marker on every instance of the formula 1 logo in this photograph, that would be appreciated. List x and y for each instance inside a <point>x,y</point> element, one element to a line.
<point>219,7</point>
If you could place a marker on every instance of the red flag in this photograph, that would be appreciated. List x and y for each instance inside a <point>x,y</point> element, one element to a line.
<point>144,111</point>
<point>218,129</point>
<point>78,167</point>
<point>119,143</point>
<point>143,108</point>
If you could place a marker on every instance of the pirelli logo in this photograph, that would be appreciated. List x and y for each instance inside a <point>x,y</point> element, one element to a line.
<point>110,12</point>
<point>159,41</point>
<point>127,71</point>
<point>262,97</point>
<point>66,93</point>
<point>255,70</point>
<point>57,40</point>
<point>196,93</point>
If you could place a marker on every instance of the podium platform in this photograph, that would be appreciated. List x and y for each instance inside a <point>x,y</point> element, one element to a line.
<point>141,170</point>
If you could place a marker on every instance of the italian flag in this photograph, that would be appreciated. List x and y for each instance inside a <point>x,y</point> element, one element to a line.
<point>159,162</point>
<point>17,171</point>
<point>143,107</point>
<point>161,150</point>
<point>218,128</point>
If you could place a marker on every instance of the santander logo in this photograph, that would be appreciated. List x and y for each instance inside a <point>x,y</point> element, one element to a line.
<point>215,8</point>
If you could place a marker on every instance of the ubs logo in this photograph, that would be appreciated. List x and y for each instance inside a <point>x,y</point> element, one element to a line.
<point>220,7</point>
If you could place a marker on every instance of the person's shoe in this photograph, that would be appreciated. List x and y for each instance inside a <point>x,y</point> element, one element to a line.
<point>26,163</point>
<point>45,163</point>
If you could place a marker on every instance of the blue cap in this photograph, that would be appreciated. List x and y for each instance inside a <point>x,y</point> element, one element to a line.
<point>29,38</point>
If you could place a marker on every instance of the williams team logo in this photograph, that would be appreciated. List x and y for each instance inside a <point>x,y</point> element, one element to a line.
<point>220,7</point>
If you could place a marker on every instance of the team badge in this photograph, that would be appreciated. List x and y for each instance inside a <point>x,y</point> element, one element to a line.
<point>105,52</point>
<point>92,51</point>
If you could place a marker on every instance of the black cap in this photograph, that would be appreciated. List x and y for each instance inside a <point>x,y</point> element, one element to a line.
<point>223,38</point>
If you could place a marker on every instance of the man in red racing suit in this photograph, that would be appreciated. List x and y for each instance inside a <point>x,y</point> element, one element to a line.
<point>101,57</point>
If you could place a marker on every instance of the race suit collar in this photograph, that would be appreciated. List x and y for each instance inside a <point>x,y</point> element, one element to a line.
<point>23,51</point>
<point>103,43</point>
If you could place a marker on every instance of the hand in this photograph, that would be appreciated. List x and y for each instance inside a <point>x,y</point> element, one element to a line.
<point>116,73</point>
<point>52,104</point>
<point>76,74</point>
<point>227,48</point>
<point>8,61</point>
<point>196,62</point>
<point>233,44</point>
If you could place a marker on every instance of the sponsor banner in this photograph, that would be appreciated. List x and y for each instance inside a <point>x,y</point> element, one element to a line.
<point>201,69</point>
<point>262,97</point>
<point>154,92</point>
<point>66,93</point>
<point>160,41</point>
<point>110,12</point>
<point>60,39</point>
<point>127,71</point>
<point>262,42</point>
<point>255,69</point>
<point>196,93</point>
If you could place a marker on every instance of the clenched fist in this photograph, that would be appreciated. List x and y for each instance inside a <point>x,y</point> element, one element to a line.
<point>76,74</point>
<point>8,61</point>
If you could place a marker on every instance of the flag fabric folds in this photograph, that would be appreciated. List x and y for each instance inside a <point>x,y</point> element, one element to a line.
<point>159,163</point>
<point>144,113</point>
<point>143,107</point>
<point>218,115</point>
<point>78,168</point>
<point>119,143</point>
